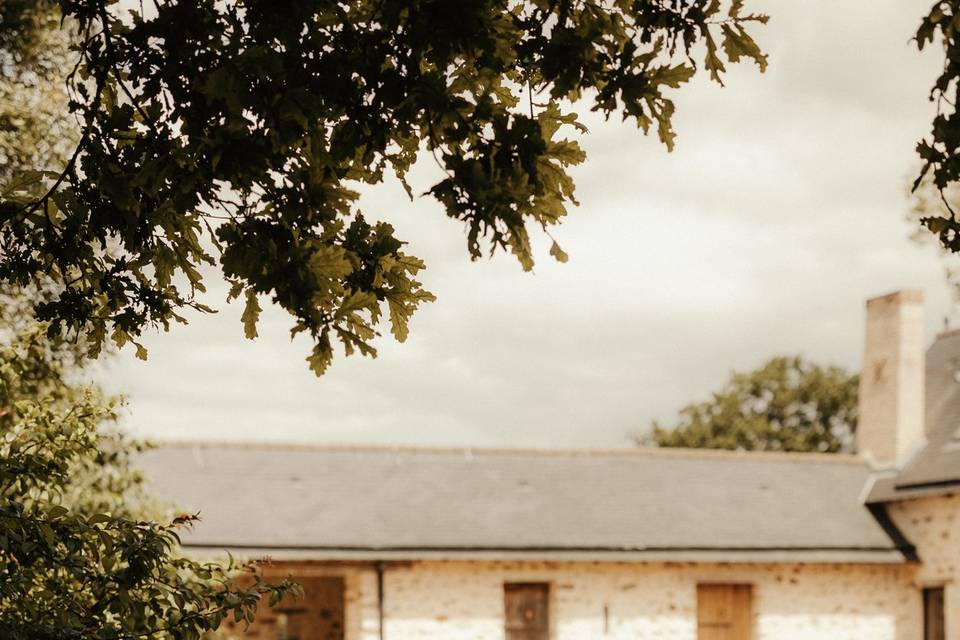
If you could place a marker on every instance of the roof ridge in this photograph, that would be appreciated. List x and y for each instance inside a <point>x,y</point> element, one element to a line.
<point>677,452</point>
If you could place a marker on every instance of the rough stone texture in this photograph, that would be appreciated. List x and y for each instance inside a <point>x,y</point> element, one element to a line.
<point>636,601</point>
<point>891,394</point>
<point>933,525</point>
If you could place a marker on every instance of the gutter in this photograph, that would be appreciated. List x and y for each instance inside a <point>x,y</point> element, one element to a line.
<point>933,484</point>
<point>879,512</point>
<point>539,548</point>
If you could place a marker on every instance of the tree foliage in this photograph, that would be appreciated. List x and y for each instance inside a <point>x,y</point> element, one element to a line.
<point>235,133</point>
<point>927,202</point>
<point>82,553</point>
<point>787,404</point>
<point>940,151</point>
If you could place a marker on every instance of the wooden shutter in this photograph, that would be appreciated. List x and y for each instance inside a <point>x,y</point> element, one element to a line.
<point>526,609</point>
<point>724,612</point>
<point>933,617</point>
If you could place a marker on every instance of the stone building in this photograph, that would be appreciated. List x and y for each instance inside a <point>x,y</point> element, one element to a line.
<point>481,544</point>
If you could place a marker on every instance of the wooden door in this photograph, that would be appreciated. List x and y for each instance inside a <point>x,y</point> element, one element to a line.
<point>724,612</point>
<point>527,610</point>
<point>317,615</point>
<point>933,614</point>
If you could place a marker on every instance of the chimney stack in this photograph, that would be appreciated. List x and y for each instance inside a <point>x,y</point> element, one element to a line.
<point>891,395</point>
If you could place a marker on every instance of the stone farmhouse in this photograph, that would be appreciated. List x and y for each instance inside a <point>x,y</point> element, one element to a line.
<point>479,544</point>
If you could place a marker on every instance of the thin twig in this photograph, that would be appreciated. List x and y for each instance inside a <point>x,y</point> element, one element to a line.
<point>943,197</point>
<point>530,95</point>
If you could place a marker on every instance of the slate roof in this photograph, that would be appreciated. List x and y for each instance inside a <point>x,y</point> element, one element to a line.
<point>631,504</point>
<point>935,469</point>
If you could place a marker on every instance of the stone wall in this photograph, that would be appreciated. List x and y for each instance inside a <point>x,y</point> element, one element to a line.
<point>933,525</point>
<point>464,600</point>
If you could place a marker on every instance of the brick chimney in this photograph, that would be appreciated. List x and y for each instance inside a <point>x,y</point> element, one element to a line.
<point>891,395</point>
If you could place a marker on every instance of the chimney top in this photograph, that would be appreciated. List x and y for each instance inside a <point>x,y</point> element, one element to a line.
<point>900,295</point>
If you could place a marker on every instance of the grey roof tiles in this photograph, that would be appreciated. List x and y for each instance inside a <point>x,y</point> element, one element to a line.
<point>341,502</point>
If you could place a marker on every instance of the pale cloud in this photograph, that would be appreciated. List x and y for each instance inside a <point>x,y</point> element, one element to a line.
<point>781,210</point>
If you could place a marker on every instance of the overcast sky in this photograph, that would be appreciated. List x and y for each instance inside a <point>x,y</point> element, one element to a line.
<point>780,211</point>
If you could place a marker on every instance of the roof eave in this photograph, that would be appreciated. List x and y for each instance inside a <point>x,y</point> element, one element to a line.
<point>765,555</point>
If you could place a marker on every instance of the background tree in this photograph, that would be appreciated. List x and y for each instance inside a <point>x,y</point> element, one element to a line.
<point>36,129</point>
<point>83,551</point>
<point>785,405</point>
<point>233,133</point>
